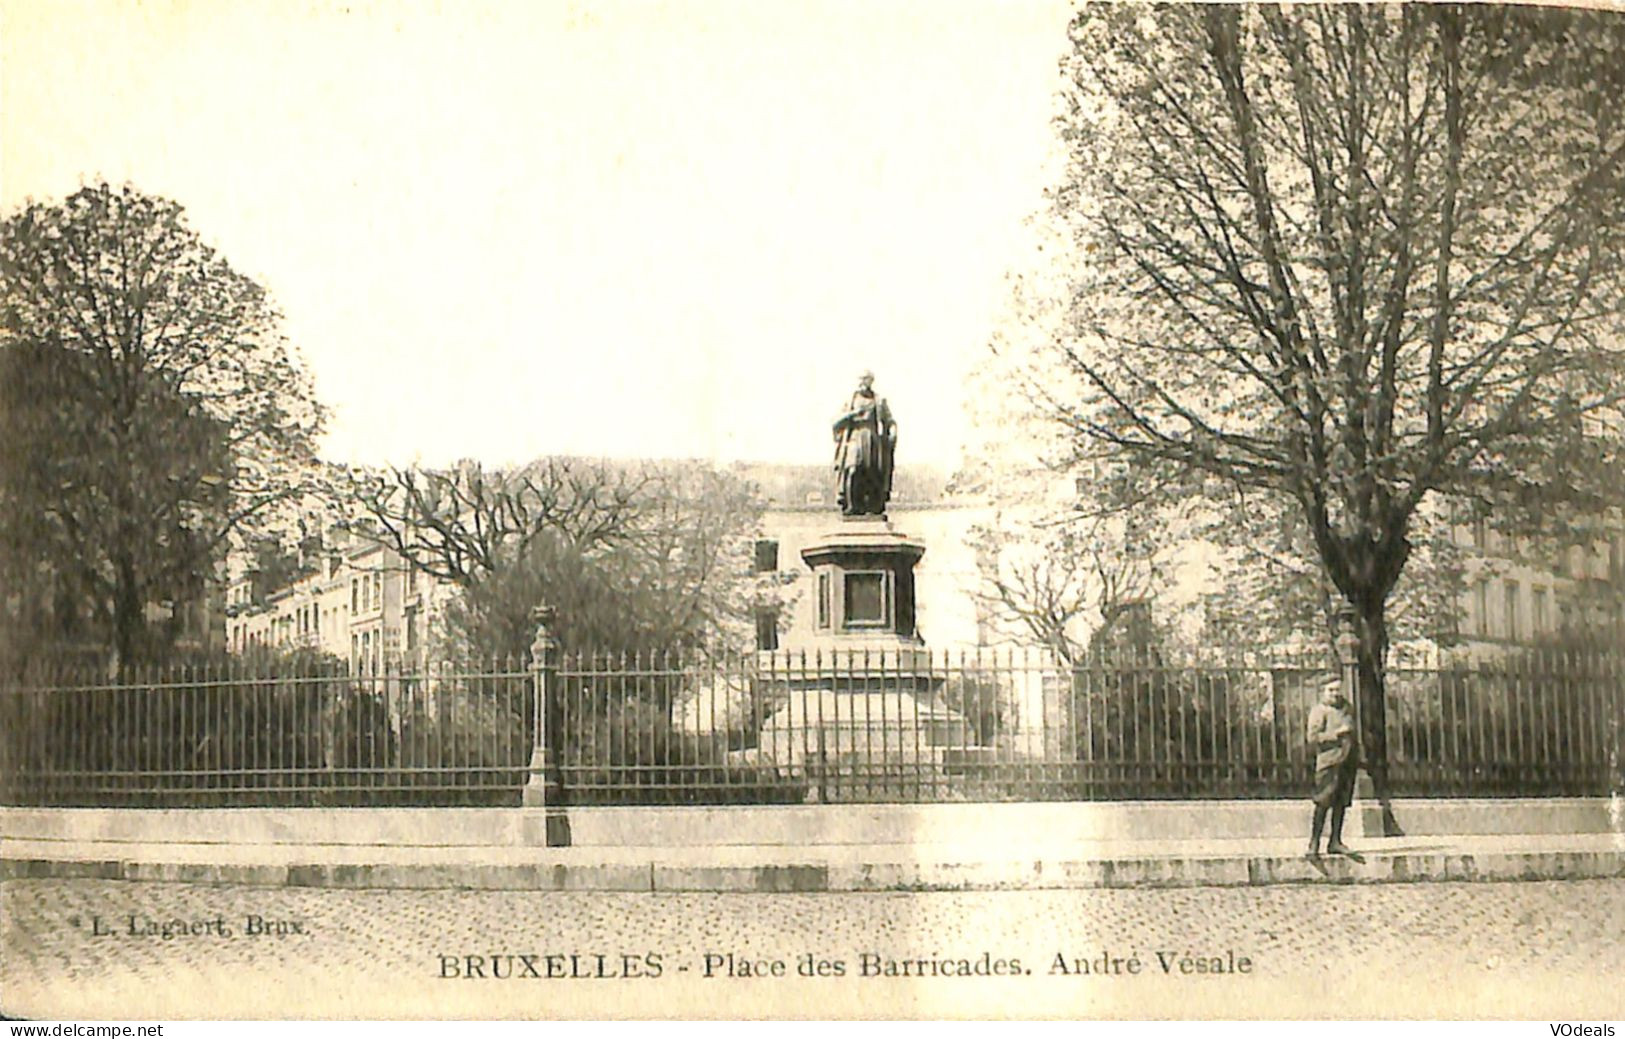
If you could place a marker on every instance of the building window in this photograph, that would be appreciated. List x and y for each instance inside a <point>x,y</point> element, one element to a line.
<point>411,629</point>
<point>767,556</point>
<point>1540,620</point>
<point>767,628</point>
<point>823,601</point>
<point>1481,608</point>
<point>355,595</point>
<point>865,600</point>
<point>1514,629</point>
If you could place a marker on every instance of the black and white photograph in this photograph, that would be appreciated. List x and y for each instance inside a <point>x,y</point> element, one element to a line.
<point>812,510</point>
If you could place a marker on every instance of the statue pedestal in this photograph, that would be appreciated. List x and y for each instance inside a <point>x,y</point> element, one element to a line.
<point>856,707</point>
<point>863,574</point>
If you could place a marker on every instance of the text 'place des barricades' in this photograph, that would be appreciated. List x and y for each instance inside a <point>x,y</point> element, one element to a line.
<point>790,728</point>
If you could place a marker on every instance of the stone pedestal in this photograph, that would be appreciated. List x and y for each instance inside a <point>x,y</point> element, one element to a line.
<point>863,583</point>
<point>856,709</point>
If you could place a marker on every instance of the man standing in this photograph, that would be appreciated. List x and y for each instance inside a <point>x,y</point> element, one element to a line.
<point>1331,737</point>
<point>865,440</point>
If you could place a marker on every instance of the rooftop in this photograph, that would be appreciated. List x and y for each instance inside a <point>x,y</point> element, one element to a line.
<point>786,485</point>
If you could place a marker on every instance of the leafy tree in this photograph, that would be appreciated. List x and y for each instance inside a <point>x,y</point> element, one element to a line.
<point>53,448</point>
<point>158,414</point>
<point>637,557</point>
<point>1266,586</point>
<point>274,565</point>
<point>1351,257</point>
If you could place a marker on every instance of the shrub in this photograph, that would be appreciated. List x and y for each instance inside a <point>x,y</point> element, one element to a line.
<point>979,698</point>
<point>629,753</point>
<point>464,745</point>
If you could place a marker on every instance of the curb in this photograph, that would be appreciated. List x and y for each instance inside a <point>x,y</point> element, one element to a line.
<point>1027,875</point>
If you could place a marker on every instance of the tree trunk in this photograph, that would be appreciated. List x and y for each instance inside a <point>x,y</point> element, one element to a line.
<point>127,613</point>
<point>1371,625</point>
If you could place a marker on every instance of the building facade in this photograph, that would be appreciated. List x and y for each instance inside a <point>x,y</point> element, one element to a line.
<point>357,600</point>
<point>1520,592</point>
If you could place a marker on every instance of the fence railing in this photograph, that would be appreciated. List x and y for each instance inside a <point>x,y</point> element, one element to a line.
<point>316,735</point>
<point>790,728</point>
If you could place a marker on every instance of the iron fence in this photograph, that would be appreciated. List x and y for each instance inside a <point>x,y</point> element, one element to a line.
<point>768,728</point>
<point>269,736</point>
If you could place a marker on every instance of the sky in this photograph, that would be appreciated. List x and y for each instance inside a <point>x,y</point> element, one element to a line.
<point>504,230</point>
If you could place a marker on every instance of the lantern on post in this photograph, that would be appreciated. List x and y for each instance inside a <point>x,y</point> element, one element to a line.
<point>545,787</point>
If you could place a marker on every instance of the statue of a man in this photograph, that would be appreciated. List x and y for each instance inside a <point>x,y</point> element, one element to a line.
<point>865,443</point>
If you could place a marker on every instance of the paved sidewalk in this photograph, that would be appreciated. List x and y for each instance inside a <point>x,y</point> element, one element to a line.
<point>968,865</point>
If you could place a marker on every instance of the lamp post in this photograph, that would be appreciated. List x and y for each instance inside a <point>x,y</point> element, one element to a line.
<point>545,787</point>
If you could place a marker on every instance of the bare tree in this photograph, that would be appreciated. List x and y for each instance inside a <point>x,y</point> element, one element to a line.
<point>637,556</point>
<point>1050,580</point>
<point>1065,557</point>
<point>459,524</point>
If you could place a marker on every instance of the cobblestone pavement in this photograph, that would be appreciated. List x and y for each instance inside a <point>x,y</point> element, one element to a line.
<point>1544,950</point>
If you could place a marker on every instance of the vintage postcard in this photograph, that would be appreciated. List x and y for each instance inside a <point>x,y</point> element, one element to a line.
<point>812,510</point>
